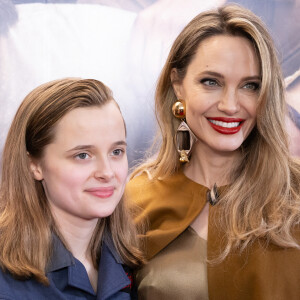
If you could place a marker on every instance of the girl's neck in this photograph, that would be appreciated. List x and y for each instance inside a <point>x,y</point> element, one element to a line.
<point>76,232</point>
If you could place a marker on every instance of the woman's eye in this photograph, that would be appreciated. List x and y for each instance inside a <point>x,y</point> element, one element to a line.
<point>82,156</point>
<point>117,152</point>
<point>209,82</point>
<point>254,86</point>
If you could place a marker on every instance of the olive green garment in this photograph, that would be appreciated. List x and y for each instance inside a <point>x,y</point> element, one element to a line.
<point>261,272</point>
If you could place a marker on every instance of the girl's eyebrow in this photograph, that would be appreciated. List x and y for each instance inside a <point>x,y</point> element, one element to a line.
<point>82,147</point>
<point>120,143</point>
<point>91,147</point>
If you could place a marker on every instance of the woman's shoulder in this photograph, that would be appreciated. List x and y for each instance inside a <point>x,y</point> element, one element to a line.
<point>175,195</point>
<point>143,189</point>
<point>141,180</point>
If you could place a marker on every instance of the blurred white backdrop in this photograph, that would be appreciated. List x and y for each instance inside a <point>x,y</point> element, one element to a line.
<point>122,43</point>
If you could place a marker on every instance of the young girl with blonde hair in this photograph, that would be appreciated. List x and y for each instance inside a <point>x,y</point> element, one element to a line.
<point>65,231</point>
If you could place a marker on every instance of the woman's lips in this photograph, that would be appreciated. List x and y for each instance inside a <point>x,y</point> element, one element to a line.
<point>226,125</point>
<point>104,192</point>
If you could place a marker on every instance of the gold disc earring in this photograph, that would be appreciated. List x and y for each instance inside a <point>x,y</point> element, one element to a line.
<point>178,109</point>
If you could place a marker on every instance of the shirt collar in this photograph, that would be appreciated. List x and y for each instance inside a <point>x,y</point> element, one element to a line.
<point>108,241</point>
<point>61,257</point>
<point>111,276</point>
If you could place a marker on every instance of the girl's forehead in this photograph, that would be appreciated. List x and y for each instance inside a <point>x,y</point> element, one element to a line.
<point>90,123</point>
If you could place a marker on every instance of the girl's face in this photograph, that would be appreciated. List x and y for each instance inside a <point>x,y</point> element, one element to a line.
<point>221,89</point>
<point>84,169</point>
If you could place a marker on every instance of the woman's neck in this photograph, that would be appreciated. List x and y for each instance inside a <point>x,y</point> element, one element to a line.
<point>208,167</point>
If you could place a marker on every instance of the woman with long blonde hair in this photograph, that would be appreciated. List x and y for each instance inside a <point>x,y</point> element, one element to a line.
<point>65,231</point>
<point>224,214</point>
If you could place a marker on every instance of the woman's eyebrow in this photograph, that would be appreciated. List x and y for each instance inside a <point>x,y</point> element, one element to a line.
<point>211,73</point>
<point>252,78</point>
<point>219,75</point>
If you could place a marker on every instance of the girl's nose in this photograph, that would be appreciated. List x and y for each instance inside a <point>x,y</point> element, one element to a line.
<point>103,170</point>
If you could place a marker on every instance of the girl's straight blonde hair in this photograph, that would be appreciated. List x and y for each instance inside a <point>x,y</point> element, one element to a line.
<point>263,200</point>
<point>26,223</point>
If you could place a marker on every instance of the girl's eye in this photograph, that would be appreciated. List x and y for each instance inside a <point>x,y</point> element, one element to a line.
<point>117,152</point>
<point>82,156</point>
<point>254,86</point>
<point>209,82</point>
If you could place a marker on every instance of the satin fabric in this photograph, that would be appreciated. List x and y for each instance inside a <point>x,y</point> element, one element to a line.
<point>178,269</point>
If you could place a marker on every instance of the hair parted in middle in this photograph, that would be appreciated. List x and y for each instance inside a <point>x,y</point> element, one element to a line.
<point>26,222</point>
<point>266,164</point>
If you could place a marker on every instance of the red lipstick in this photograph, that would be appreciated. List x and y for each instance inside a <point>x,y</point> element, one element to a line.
<point>221,124</point>
<point>104,192</point>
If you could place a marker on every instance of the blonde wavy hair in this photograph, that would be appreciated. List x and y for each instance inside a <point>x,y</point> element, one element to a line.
<point>263,200</point>
<point>26,223</point>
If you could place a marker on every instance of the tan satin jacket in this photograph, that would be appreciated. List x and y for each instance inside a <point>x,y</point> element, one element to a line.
<point>260,272</point>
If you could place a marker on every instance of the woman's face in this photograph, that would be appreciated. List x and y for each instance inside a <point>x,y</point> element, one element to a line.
<point>84,169</point>
<point>220,89</point>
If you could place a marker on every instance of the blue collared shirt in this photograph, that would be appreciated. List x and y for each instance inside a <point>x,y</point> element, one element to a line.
<point>69,280</point>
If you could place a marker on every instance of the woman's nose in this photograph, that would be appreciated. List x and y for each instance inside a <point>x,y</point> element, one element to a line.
<point>229,103</point>
<point>104,170</point>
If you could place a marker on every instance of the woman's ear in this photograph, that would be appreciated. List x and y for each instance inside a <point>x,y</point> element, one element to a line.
<point>35,168</point>
<point>176,84</point>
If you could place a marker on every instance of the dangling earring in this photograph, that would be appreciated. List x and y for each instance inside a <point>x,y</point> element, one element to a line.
<point>184,137</point>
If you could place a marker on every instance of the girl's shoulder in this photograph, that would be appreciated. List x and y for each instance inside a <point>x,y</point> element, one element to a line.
<point>14,289</point>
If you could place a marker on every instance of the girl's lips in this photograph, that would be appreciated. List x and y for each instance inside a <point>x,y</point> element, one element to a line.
<point>226,125</point>
<point>104,192</point>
